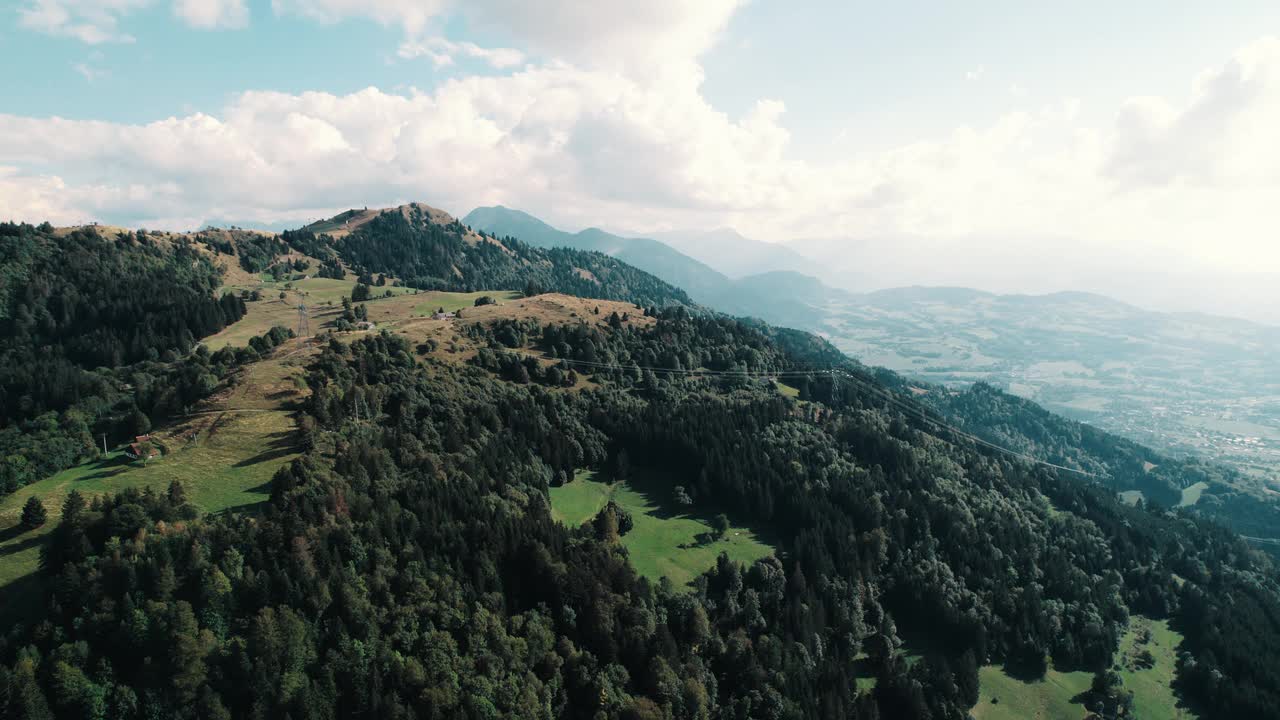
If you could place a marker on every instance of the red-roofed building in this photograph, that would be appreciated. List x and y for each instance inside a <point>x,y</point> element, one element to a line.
<point>142,449</point>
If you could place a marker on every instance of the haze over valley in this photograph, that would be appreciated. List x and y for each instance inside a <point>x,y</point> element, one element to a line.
<point>1187,383</point>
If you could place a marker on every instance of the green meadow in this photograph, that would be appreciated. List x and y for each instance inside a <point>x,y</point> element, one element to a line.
<point>665,541</point>
<point>1004,697</point>
<point>228,465</point>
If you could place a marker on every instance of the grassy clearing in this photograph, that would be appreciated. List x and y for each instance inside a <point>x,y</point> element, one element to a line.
<point>787,390</point>
<point>1003,697</point>
<point>225,456</point>
<point>664,541</point>
<point>1191,495</point>
<point>316,290</point>
<point>1131,497</point>
<point>429,302</point>
<point>579,501</point>
<point>323,297</point>
<point>260,317</point>
<point>864,674</point>
<point>1152,687</point>
<point>1051,698</point>
<point>230,465</point>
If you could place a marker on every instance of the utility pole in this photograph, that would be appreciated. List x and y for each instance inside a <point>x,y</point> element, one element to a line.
<point>304,322</point>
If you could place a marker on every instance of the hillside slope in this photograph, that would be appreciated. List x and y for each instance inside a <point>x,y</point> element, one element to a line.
<point>410,561</point>
<point>430,250</point>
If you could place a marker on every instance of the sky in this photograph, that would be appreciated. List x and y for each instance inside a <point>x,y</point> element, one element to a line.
<point>1124,148</point>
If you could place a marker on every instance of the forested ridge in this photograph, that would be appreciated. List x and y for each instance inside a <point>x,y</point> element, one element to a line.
<point>434,255</point>
<point>408,564</point>
<point>1118,463</point>
<point>94,339</point>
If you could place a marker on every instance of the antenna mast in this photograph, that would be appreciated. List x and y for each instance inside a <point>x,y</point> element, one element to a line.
<point>304,321</point>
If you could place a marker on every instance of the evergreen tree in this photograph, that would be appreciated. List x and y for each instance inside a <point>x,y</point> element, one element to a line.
<point>33,513</point>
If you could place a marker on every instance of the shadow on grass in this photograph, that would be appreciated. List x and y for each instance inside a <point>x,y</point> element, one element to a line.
<point>107,467</point>
<point>25,544</point>
<point>657,488</point>
<point>253,508</point>
<point>282,444</point>
<point>658,492</point>
<point>12,532</point>
<point>263,489</point>
<point>103,474</point>
<point>702,539</point>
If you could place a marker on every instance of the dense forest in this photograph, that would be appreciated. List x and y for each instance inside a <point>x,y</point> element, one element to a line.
<point>96,337</point>
<point>1121,464</point>
<point>408,564</point>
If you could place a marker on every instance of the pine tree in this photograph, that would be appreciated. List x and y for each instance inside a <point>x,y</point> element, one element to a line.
<point>33,513</point>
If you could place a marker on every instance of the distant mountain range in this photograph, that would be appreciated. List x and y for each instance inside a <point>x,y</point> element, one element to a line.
<point>782,296</point>
<point>1178,381</point>
<point>658,259</point>
<point>729,252</point>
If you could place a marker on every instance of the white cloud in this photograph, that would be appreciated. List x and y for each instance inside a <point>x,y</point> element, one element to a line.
<point>1224,135</point>
<point>97,21</point>
<point>90,21</point>
<point>975,73</point>
<point>640,38</point>
<point>536,136</point>
<point>1165,185</point>
<point>210,14</point>
<point>441,51</point>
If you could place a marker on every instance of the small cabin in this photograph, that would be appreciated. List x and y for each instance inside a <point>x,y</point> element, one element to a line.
<point>443,315</point>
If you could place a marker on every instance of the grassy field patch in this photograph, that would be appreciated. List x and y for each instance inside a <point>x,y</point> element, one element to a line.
<point>225,455</point>
<point>788,390</point>
<point>429,302</point>
<point>1003,697</point>
<point>1191,494</point>
<point>665,542</point>
<point>323,298</point>
<point>1153,695</point>
<point>1131,497</point>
